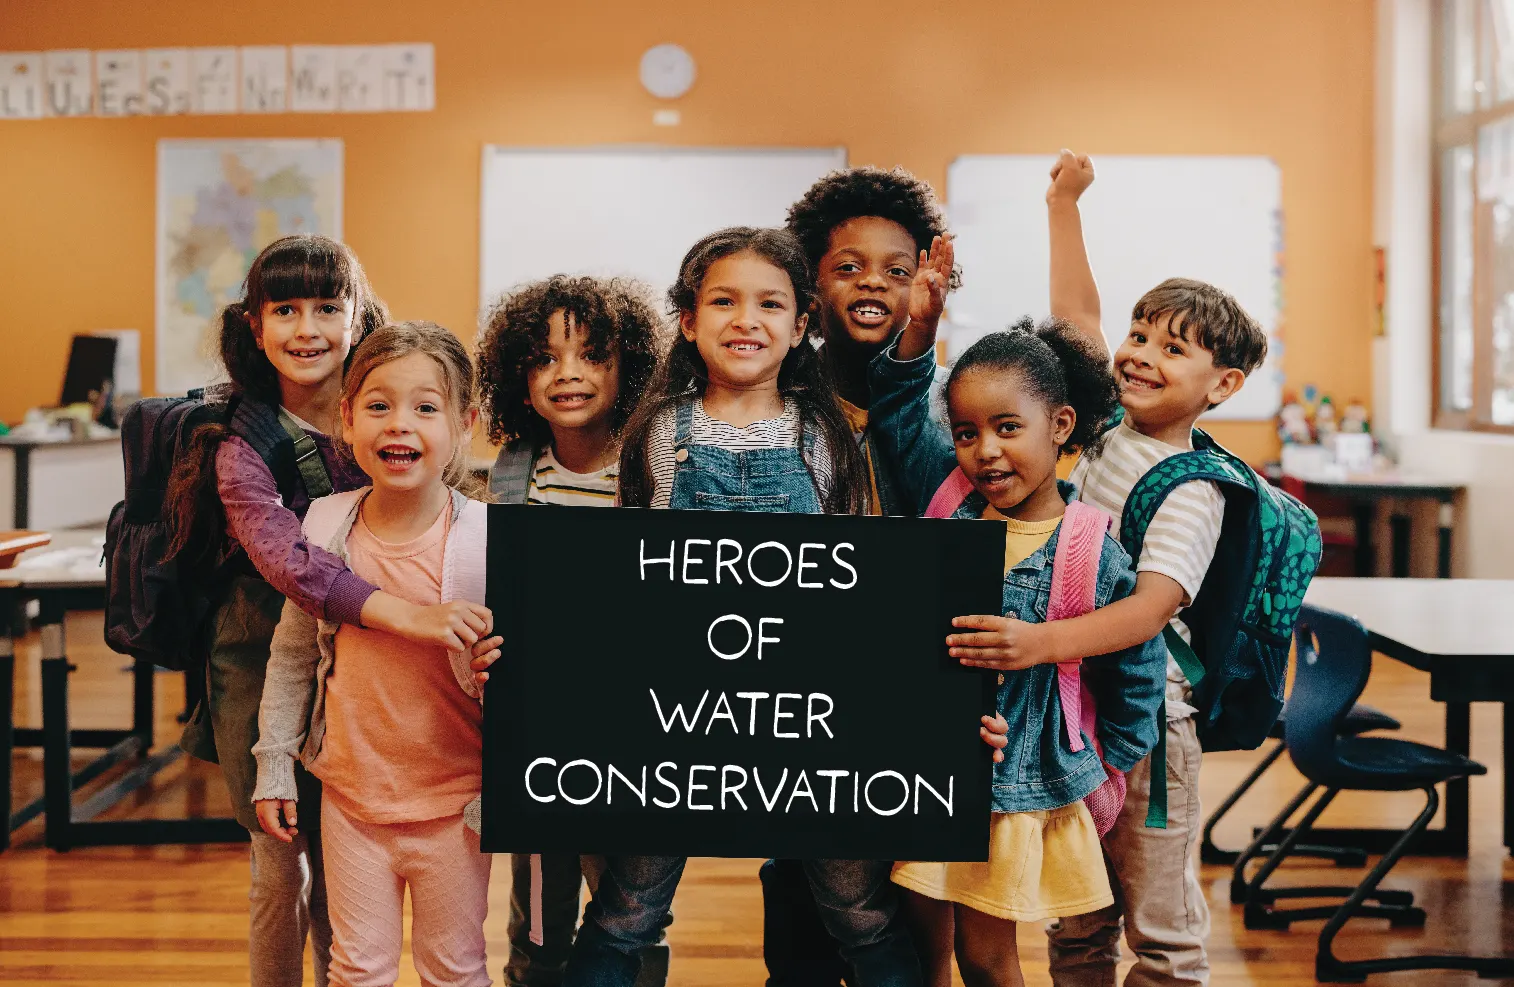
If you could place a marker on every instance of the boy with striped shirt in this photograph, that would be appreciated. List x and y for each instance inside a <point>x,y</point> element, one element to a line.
<point>1189,348</point>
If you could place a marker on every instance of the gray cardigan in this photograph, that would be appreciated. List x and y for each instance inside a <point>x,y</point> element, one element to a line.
<point>292,717</point>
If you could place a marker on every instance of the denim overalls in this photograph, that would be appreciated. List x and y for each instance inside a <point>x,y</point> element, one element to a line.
<point>857,902</point>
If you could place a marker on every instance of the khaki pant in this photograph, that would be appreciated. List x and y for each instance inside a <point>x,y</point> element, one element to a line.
<point>1156,887</point>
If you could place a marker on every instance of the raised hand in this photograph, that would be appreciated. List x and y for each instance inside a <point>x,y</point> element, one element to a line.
<point>1070,177</point>
<point>927,293</point>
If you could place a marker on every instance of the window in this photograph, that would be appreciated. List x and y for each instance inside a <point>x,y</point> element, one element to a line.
<point>1474,215</point>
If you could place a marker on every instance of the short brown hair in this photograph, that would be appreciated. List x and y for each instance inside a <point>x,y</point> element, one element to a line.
<point>1218,322</point>
<point>400,339</point>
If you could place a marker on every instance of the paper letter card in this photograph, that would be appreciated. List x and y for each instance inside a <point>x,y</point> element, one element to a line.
<point>265,79</point>
<point>360,79</point>
<point>715,683</point>
<point>166,74</point>
<point>70,88</point>
<point>213,79</point>
<point>409,77</point>
<point>118,83</point>
<point>21,86</point>
<point>313,79</point>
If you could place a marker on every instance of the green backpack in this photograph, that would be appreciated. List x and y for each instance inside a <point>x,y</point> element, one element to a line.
<point>1242,619</point>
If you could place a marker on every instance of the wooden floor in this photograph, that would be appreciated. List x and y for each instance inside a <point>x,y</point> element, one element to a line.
<point>177,915</point>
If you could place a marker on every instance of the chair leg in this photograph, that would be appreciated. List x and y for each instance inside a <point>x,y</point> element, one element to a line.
<point>1266,837</point>
<point>1283,849</point>
<point>1329,969</point>
<point>1209,853</point>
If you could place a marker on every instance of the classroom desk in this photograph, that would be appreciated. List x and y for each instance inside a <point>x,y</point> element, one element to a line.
<point>1458,631</point>
<point>58,589</point>
<point>1365,490</point>
<point>59,484</point>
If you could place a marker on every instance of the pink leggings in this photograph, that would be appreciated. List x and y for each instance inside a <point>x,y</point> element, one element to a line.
<point>368,866</point>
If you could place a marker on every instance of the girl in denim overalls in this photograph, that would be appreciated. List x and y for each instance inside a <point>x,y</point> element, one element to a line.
<point>741,416</point>
<point>1018,401</point>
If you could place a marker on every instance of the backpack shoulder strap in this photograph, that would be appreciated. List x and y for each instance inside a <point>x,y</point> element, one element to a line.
<point>281,444</point>
<point>510,476</point>
<point>307,457</point>
<point>950,495</point>
<point>1074,583</point>
<point>327,516</point>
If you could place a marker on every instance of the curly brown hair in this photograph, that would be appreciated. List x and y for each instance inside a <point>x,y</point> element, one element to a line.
<point>620,317</point>
<point>892,194</point>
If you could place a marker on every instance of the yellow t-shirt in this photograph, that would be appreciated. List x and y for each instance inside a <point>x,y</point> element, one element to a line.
<point>857,418</point>
<point>1021,538</point>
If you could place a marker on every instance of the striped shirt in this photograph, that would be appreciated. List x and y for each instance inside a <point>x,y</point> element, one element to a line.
<point>1182,537</point>
<point>769,433</point>
<point>551,483</point>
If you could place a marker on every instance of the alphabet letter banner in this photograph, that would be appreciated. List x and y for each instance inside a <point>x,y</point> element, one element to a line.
<point>715,683</point>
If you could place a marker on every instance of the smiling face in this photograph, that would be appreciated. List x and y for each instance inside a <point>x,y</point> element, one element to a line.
<point>1008,441</point>
<point>568,389</point>
<point>400,425</point>
<point>1166,381</point>
<point>744,322</point>
<point>864,279</point>
<point>306,339</point>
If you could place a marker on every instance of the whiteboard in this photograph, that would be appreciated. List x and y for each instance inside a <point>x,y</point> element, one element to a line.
<point>1145,219</point>
<point>627,210</point>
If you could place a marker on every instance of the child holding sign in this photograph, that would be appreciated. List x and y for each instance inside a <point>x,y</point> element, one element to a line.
<point>1018,401</point>
<point>742,416</point>
<point>393,730</point>
<point>561,364</point>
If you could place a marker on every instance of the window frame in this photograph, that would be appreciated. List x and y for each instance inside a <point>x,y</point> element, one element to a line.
<point>1451,130</point>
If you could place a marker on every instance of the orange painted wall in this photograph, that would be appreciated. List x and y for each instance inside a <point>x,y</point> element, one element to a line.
<point>910,85</point>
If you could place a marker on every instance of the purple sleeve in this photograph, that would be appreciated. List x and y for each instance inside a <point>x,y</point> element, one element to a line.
<point>315,580</point>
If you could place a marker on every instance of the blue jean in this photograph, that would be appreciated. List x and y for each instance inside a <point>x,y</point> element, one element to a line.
<point>857,903</point>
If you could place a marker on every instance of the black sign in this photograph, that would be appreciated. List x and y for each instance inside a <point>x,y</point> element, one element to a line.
<point>710,683</point>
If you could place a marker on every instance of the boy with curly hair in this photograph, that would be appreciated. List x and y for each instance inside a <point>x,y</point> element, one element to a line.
<point>562,363</point>
<point>864,231</point>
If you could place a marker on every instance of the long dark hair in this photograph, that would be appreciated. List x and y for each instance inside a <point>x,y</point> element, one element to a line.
<point>302,266</point>
<point>682,374</point>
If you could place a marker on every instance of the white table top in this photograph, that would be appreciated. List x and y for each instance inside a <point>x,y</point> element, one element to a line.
<point>73,559</point>
<point>1456,617</point>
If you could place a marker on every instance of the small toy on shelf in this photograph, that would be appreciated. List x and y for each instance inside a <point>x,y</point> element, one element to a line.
<point>1354,418</point>
<point>1293,423</point>
<point>1325,424</point>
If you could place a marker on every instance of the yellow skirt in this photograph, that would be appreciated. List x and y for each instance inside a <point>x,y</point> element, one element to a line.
<point>1041,865</point>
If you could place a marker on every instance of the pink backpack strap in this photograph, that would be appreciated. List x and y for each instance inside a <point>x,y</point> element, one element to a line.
<point>1074,582</point>
<point>950,495</point>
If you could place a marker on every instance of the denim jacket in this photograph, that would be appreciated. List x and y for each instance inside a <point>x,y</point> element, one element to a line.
<point>1039,770</point>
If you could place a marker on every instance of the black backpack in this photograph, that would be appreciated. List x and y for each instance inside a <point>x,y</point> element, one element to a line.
<point>160,609</point>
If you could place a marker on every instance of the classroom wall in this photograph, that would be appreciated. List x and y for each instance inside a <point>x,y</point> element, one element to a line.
<point>1291,79</point>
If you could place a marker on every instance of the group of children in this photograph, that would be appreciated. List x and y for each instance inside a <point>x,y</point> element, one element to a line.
<point>346,676</point>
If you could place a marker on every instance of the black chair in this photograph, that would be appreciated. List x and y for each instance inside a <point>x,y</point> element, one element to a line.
<point>1334,660</point>
<point>1361,719</point>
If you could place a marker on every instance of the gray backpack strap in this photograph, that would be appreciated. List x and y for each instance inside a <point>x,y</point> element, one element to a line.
<point>307,458</point>
<point>510,477</point>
